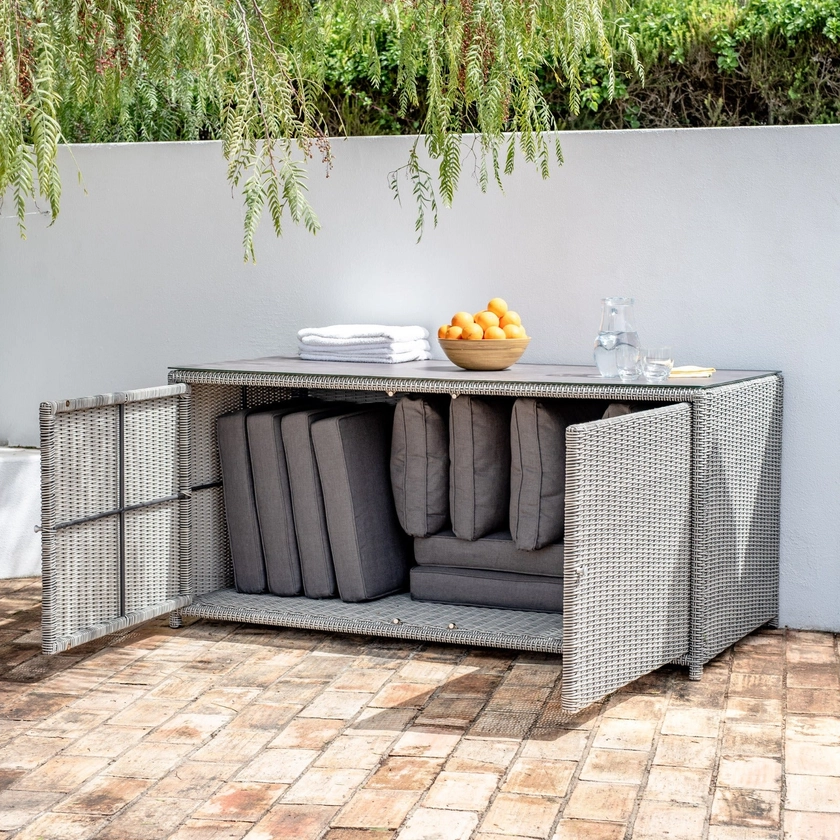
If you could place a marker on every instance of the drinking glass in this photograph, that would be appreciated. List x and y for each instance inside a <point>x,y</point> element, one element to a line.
<point>628,361</point>
<point>657,363</point>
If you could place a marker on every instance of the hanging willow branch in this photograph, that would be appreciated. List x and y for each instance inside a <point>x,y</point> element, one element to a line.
<point>251,73</point>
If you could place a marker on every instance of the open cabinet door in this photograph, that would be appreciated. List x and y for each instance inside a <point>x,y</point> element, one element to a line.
<point>115,512</point>
<point>627,562</point>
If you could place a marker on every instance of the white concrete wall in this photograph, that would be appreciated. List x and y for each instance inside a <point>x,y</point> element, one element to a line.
<point>728,238</point>
<point>20,512</point>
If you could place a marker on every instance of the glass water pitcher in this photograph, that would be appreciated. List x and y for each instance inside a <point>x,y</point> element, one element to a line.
<point>618,327</point>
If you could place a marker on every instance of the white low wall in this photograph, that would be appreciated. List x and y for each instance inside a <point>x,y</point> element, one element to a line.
<point>729,239</point>
<point>20,512</point>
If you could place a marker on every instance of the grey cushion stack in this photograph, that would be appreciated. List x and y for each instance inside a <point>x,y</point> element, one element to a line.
<point>537,472</point>
<point>493,553</point>
<point>490,572</point>
<point>471,587</point>
<point>370,552</point>
<point>273,497</point>
<point>316,563</point>
<point>240,505</point>
<point>420,464</point>
<point>479,474</point>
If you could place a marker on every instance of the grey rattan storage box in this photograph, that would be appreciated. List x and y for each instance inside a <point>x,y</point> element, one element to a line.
<point>672,515</point>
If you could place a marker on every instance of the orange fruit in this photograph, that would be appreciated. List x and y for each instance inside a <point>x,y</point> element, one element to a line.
<point>494,333</point>
<point>497,306</point>
<point>510,317</point>
<point>487,319</point>
<point>454,332</point>
<point>473,332</point>
<point>513,331</point>
<point>462,319</point>
<point>442,330</point>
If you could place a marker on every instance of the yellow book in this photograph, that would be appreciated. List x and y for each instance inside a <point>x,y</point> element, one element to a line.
<point>692,372</point>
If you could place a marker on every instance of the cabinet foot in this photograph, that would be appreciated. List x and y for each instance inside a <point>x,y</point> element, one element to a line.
<point>695,672</point>
<point>773,624</point>
<point>175,620</point>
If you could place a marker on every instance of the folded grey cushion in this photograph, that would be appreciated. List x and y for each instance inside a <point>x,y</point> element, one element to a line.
<point>273,497</point>
<point>472,587</point>
<point>479,473</point>
<point>240,506</point>
<point>316,564</point>
<point>537,473</point>
<point>420,464</point>
<point>618,410</point>
<point>495,552</point>
<point>370,552</point>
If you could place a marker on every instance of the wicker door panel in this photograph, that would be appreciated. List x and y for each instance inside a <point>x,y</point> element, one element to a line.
<point>628,550</point>
<point>115,512</point>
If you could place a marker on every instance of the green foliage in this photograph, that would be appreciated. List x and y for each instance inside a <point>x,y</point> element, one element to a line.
<point>273,79</point>
<point>707,63</point>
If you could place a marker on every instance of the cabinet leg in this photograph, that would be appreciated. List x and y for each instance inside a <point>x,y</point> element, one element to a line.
<point>773,624</point>
<point>695,672</point>
<point>175,620</point>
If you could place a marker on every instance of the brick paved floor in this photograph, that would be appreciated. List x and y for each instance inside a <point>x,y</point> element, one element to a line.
<point>225,731</point>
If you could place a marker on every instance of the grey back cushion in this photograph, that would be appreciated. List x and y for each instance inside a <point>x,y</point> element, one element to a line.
<point>479,473</point>
<point>370,552</point>
<point>420,464</point>
<point>493,553</point>
<point>240,506</point>
<point>273,497</point>
<point>316,564</point>
<point>537,473</point>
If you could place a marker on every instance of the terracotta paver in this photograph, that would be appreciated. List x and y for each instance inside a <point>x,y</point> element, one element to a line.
<point>679,785</point>
<point>377,809</point>
<point>746,807</point>
<point>461,791</point>
<point>751,772</point>
<point>601,801</point>
<point>230,732</point>
<point>521,816</point>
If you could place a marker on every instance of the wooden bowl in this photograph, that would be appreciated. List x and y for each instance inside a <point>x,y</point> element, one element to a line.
<point>486,354</point>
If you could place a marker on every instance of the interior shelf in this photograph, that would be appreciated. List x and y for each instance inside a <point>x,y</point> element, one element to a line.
<point>397,616</point>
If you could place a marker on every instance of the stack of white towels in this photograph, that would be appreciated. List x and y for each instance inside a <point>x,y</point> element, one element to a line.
<point>364,343</point>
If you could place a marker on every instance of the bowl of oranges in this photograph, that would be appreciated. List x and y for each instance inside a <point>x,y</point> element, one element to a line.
<point>492,339</point>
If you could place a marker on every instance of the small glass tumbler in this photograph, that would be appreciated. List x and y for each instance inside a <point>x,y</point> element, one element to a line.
<point>657,363</point>
<point>628,361</point>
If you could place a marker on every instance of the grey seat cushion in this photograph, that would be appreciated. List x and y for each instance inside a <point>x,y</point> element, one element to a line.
<point>473,587</point>
<point>479,473</point>
<point>495,552</point>
<point>420,464</point>
<point>537,472</point>
<point>240,506</point>
<point>273,497</point>
<point>370,552</point>
<point>316,564</point>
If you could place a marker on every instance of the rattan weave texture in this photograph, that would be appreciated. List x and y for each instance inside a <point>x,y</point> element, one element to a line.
<point>114,487</point>
<point>396,616</point>
<point>723,607</point>
<point>669,507</point>
<point>737,478</point>
<point>627,559</point>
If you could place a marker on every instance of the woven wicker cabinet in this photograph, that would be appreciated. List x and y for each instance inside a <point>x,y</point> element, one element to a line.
<point>672,516</point>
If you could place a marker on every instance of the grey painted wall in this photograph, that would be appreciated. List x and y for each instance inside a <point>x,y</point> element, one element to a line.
<point>728,238</point>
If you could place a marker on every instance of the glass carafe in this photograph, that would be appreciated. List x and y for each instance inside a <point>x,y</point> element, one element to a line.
<point>617,328</point>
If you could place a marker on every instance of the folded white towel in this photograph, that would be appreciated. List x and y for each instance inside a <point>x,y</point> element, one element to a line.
<point>353,334</point>
<point>389,358</point>
<point>382,349</point>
